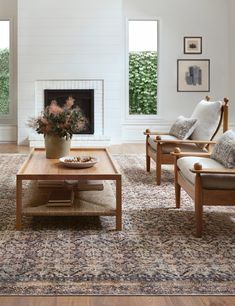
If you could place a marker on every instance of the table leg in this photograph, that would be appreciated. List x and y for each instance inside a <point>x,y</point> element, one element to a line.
<point>119,204</point>
<point>18,203</point>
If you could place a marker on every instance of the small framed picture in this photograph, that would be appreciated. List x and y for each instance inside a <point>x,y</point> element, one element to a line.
<point>193,75</point>
<point>192,45</point>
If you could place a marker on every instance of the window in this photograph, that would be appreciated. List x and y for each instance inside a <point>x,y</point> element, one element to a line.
<point>4,67</point>
<point>143,67</point>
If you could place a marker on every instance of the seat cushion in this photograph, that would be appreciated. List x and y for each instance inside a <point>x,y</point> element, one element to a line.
<point>208,116</point>
<point>224,150</point>
<point>209,181</point>
<point>169,147</point>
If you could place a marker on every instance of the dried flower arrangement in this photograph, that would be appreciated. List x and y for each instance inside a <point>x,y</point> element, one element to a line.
<point>59,121</point>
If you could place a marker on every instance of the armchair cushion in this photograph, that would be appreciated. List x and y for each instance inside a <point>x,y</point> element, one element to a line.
<point>208,115</point>
<point>224,150</point>
<point>169,147</point>
<point>209,181</point>
<point>183,127</point>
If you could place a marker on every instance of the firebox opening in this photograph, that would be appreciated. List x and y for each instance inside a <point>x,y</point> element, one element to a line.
<point>83,98</point>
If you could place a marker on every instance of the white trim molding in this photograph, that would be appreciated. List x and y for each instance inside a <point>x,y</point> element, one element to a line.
<point>127,118</point>
<point>8,133</point>
<point>134,132</point>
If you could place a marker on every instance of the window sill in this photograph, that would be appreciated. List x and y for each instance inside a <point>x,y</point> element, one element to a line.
<point>145,119</point>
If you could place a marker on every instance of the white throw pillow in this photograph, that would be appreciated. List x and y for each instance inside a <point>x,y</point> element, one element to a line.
<point>208,115</point>
<point>224,150</point>
<point>183,127</point>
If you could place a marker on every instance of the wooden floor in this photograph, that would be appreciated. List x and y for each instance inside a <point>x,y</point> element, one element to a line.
<point>119,301</point>
<point>110,300</point>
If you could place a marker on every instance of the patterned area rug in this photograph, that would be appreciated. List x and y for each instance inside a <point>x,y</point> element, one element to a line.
<point>156,253</point>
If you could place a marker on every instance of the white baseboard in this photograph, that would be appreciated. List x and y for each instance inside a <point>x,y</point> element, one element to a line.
<point>135,133</point>
<point>8,133</point>
<point>130,134</point>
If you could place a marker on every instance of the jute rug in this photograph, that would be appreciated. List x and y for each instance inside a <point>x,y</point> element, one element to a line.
<point>156,253</point>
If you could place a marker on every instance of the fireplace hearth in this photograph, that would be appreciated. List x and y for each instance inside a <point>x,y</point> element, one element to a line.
<point>83,98</point>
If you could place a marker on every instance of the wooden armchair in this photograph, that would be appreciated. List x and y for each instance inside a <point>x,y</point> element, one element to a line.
<point>160,146</point>
<point>206,181</point>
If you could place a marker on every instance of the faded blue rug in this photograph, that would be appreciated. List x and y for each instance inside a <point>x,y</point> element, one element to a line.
<point>156,253</point>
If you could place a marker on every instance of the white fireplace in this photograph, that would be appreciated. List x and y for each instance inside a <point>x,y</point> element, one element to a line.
<point>96,139</point>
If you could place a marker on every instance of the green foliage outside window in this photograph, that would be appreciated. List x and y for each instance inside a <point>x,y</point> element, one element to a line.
<point>143,83</point>
<point>4,81</point>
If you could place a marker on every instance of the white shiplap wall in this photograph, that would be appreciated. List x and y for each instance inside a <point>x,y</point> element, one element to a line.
<point>70,40</point>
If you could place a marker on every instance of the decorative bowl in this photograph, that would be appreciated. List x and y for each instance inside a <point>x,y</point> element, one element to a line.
<point>78,161</point>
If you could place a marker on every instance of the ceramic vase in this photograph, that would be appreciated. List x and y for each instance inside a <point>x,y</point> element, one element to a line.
<point>56,146</point>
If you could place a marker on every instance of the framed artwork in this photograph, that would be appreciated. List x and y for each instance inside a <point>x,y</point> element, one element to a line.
<point>193,75</point>
<point>192,45</point>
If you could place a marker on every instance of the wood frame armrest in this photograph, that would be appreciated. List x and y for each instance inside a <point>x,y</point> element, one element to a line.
<point>149,133</point>
<point>197,169</point>
<point>185,141</point>
<point>213,171</point>
<point>196,154</point>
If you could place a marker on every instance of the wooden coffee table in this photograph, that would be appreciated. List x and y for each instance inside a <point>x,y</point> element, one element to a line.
<point>38,167</point>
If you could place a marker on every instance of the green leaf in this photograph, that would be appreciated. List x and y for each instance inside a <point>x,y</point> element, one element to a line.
<point>4,81</point>
<point>143,83</point>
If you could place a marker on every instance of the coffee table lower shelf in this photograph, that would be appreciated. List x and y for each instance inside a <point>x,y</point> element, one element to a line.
<point>73,211</point>
<point>86,203</point>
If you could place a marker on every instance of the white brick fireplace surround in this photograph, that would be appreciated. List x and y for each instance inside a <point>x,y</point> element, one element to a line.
<point>96,139</point>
